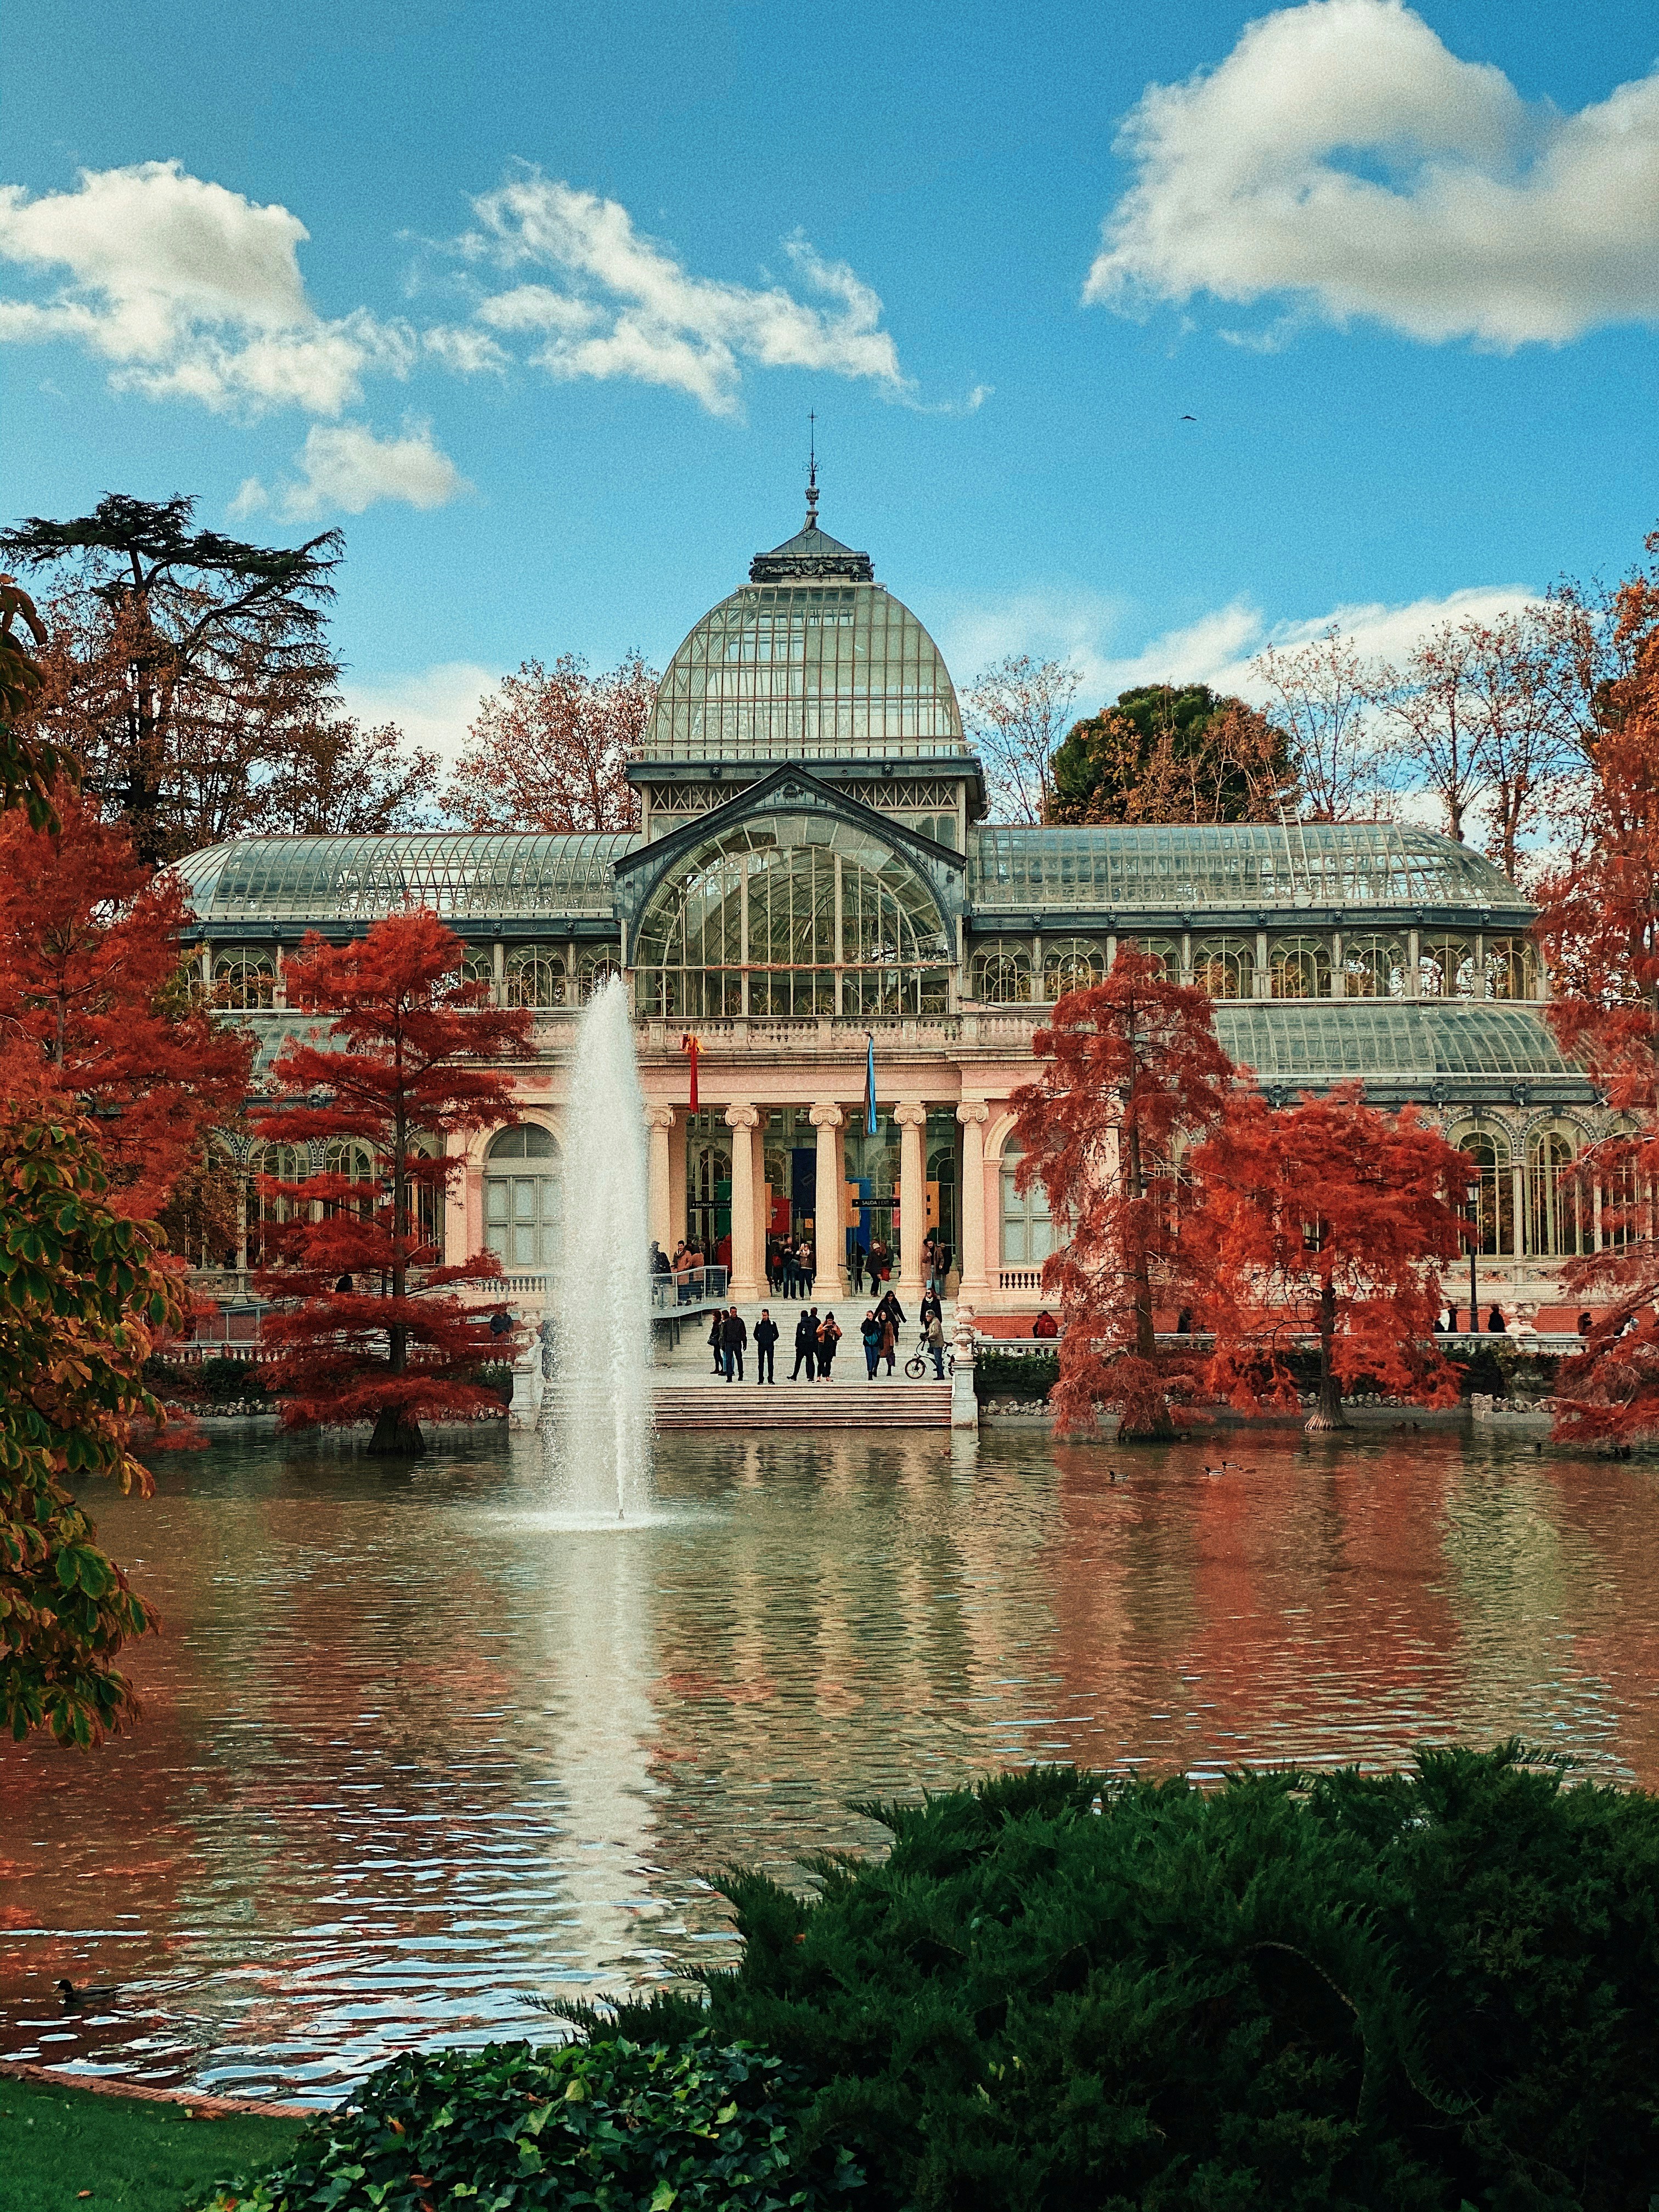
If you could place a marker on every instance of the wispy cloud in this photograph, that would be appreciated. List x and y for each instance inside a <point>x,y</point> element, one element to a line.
<point>1343,160</point>
<point>433,706</point>
<point>345,469</point>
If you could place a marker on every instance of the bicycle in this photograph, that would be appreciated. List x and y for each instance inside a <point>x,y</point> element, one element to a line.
<point>921,1359</point>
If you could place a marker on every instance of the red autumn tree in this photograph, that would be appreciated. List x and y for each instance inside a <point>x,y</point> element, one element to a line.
<point>1599,928</point>
<point>549,749</point>
<point>99,1010</point>
<point>1332,1218</point>
<point>413,1058</point>
<point>1131,1073</point>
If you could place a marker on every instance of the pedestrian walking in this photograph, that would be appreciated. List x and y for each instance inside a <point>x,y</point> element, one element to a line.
<point>806,1345</point>
<point>931,1308</point>
<point>855,1268</point>
<point>766,1339</point>
<point>870,1337</point>
<point>717,1340</point>
<point>734,1334</point>
<point>829,1338</point>
<point>936,1343</point>
<point>893,1311</point>
<point>889,1337</point>
<point>808,1270</point>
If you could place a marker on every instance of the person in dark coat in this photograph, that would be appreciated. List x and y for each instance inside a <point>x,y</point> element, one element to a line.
<point>890,1310</point>
<point>931,1309</point>
<point>766,1338</point>
<point>717,1340</point>
<point>870,1337</point>
<point>1496,1324</point>
<point>734,1334</point>
<point>806,1345</point>
<point>855,1267</point>
<point>829,1338</point>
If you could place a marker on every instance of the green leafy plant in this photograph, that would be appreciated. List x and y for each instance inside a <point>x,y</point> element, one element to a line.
<point>611,2126</point>
<point>1003,1375</point>
<point>1325,1992</point>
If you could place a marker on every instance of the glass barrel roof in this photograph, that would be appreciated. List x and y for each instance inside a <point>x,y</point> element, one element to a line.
<point>811,660</point>
<point>462,875</point>
<point>1318,1040</point>
<point>1183,867</point>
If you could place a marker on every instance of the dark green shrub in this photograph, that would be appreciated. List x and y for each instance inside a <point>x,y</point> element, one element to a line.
<point>497,1376</point>
<point>232,1382</point>
<point>172,1381</point>
<point>1003,1375</point>
<point>1298,1993</point>
<point>607,2125</point>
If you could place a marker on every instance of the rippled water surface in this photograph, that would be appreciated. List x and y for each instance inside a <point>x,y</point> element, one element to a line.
<point>413,1750</point>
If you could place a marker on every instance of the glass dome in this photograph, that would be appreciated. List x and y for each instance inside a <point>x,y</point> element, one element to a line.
<point>812,658</point>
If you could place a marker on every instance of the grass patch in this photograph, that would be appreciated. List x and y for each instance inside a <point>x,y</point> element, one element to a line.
<point>124,2151</point>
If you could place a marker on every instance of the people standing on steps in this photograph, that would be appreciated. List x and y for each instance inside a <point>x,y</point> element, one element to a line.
<point>806,1345</point>
<point>734,1334</point>
<point>888,1334</point>
<point>855,1267</point>
<point>829,1338</point>
<point>892,1310</point>
<point>766,1338</point>
<point>936,1343</point>
<point>931,1309</point>
<point>717,1340</point>
<point>808,1266</point>
<point>870,1337</point>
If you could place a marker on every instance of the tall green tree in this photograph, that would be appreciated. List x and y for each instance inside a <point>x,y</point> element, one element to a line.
<point>178,655</point>
<point>1172,753</point>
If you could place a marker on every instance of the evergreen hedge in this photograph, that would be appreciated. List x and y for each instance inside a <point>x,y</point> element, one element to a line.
<point>1309,1992</point>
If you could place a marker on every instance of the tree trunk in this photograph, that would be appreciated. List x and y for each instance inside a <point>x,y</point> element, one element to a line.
<point>394,1437</point>
<point>1327,1414</point>
<point>1150,1422</point>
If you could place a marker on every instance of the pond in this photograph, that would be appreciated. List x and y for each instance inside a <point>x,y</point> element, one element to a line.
<point>413,1753</point>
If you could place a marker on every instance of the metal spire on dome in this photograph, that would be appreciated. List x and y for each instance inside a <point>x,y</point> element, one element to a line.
<point>811,469</point>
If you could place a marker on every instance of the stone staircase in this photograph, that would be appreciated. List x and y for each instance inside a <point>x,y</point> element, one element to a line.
<point>802,1405</point>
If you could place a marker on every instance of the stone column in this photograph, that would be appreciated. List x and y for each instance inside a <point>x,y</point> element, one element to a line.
<point>741,1120</point>
<point>912,1119</point>
<point>973,1113</point>
<point>829,1240</point>
<point>757,1139</point>
<point>659,1128</point>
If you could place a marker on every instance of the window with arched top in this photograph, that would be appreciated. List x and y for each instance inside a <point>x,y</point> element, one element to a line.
<point>1071,963</point>
<point>793,914</point>
<point>524,1197</point>
<point>1509,967</point>
<point>1225,966</point>
<point>1028,1231</point>
<point>1375,968</point>
<point>1002,974</point>
<point>535,978</point>
<point>1488,1154</point>
<point>1165,950</point>
<point>1299,967</point>
<point>245,980</point>
<point>1559,1221</point>
<point>593,971</point>
<point>1445,967</point>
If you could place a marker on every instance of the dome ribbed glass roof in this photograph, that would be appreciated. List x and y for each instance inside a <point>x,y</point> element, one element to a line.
<point>464,875</point>
<point>1238,866</point>
<point>811,659</point>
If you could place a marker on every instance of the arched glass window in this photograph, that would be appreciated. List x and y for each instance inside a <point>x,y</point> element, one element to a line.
<point>478,966</point>
<point>942,1174</point>
<point>1489,1161</point>
<point>1071,963</point>
<point>1166,950</point>
<point>524,1197</point>
<point>593,971</point>
<point>245,980</point>
<point>535,978</point>
<point>1445,967</point>
<point>287,1164</point>
<point>1002,974</point>
<point>708,1195</point>
<point>1225,966</point>
<point>1511,968</point>
<point>793,915</point>
<point>1375,967</point>
<point>347,1156</point>
<point>1557,1202</point>
<point>1028,1233</point>
<point>1300,968</point>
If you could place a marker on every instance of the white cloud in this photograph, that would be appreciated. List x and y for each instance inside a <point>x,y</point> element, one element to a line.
<point>620,305</point>
<point>1342,157</point>
<point>189,291</point>
<point>345,468</point>
<point>1217,648</point>
<point>432,706</point>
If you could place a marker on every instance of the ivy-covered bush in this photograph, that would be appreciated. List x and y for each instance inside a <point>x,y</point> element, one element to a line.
<point>1004,1375</point>
<point>1337,1992</point>
<point>607,2126</point>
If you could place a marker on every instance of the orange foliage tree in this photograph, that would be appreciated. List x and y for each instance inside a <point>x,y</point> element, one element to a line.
<point>549,751</point>
<point>1332,1218</point>
<point>99,1011</point>
<point>1131,1073</point>
<point>413,1059</point>
<point>1599,928</point>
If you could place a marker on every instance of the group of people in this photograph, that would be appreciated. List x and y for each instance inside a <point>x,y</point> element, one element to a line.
<point>875,1260</point>
<point>815,1340</point>
<point>791,1269</point>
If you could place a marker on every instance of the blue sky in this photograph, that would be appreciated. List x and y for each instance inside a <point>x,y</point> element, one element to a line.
<point>573,277</point>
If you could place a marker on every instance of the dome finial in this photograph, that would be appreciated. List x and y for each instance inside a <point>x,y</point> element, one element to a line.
<point>811,469</point>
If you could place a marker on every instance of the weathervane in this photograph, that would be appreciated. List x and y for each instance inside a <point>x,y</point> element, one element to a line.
<point>811,469</point>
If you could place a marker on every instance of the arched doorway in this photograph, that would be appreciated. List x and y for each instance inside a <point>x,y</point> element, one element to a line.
<point>524,1197</point>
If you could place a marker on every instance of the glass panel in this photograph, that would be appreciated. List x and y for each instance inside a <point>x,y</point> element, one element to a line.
<point>1225,966</point>
<point>1300,968</point>
<point>1490,1160</point>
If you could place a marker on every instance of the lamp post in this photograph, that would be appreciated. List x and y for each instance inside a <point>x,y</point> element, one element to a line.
<point>1474,1246</point>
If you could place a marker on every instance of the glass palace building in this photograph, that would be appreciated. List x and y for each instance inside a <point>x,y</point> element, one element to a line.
<point>813,869</point>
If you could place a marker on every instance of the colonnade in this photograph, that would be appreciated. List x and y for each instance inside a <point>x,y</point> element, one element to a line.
<point>746,1121</point>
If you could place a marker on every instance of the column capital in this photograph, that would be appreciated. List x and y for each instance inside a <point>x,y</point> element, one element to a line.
<point>740,1115</point>
<point>827,1116</point>
<point>972,1110</point>
<point>660,1117</point>
<point>909,1114</point>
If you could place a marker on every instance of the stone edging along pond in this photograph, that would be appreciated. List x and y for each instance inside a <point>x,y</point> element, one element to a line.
<point>193,2103</point>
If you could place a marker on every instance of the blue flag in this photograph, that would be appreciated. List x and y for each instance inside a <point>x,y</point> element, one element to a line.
<point>870,1086</point>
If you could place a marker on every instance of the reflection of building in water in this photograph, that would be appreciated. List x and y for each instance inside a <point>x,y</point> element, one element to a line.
<point>813,870</point>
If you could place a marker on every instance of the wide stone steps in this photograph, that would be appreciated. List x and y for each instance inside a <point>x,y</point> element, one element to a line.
<point>798,1405</point>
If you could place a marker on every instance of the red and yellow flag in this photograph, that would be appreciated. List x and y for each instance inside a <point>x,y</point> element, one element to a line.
<point>690,1044</point>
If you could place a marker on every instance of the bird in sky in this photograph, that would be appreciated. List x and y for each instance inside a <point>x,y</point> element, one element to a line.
<point>1189,418</point>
